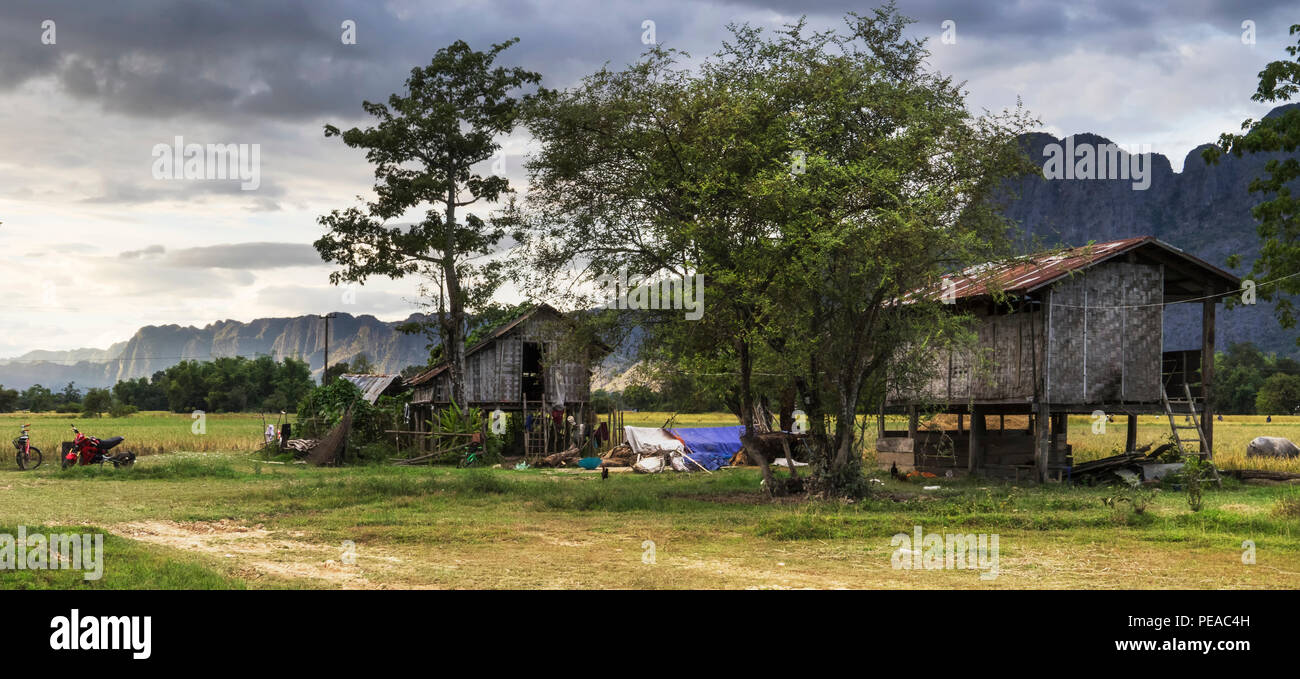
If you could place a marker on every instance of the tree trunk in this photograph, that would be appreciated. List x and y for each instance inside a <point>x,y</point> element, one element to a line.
<point>846,417</point>
<point>454,328</point>
<point>749,439</point>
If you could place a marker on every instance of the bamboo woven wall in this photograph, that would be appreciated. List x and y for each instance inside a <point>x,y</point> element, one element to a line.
<point>1103,345</point>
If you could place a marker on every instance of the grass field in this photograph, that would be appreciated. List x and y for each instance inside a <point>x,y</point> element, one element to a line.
<point>222,519</point>
<point>210,520</point>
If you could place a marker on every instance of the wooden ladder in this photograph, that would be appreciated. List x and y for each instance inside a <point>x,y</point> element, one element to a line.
<point>1194,433</point>
<point>1184,443</point>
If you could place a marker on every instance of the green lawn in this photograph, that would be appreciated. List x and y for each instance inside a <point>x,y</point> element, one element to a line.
<point>225,520</point>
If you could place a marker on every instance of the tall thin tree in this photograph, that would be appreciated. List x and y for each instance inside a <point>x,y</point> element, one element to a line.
<point>424,149</point>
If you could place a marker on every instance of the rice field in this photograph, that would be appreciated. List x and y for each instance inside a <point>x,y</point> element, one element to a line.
<point>147,433</point>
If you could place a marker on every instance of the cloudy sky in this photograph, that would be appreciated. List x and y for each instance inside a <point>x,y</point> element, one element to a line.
<point>95,247</point>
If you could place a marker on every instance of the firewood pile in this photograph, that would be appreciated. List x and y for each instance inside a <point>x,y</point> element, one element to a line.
<point>566,458</point>
<point>618,456</point>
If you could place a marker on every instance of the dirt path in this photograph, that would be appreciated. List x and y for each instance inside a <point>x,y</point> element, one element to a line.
<point>261,553</point>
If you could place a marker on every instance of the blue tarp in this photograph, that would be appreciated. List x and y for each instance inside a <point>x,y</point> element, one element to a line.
<point>712,447</point>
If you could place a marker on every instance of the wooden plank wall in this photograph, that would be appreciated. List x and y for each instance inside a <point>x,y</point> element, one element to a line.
<point>494,374</point>
<point>1001,367</point>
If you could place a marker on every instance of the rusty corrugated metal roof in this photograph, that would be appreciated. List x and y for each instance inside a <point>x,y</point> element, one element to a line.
<point>433,372</point>
<point>372,386</point>
<point>1029,273</point>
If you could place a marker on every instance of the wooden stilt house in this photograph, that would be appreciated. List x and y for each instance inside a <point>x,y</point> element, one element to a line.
<point>1079,332</point>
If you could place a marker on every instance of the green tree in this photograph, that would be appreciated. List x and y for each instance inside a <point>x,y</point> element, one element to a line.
<point>335,371</point>
<point>1279,395</point>
<point>424,149</point>
<point>37,398</point>
<point>361,365</point>
<point>1238,374</point>
<point>639,397</point>
<point>69,394</point>
<point>813,178</point>
<point>96,401</point>
<point>292,383</point>
<point>8,400</point>
<point>1279,214</point>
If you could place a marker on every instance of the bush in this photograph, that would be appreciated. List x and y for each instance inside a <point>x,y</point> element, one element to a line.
<point>1194,472</point>
<point>324,406</point>
<point>377,452</point>
<point>1288,507</point>
<point>119,409</point>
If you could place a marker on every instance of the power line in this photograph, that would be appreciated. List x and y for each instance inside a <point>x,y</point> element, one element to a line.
<point>1165,304</point>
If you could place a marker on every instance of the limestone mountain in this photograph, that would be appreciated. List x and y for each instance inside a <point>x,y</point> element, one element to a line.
<point>157,347</point>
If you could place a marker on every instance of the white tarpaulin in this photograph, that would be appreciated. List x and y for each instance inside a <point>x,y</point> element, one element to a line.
<point>646,440</point>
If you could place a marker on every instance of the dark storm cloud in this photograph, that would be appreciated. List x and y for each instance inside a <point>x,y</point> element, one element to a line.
<point>286,60</point>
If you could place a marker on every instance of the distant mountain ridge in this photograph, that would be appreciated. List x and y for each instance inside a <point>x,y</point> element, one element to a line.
<point>157,347</point>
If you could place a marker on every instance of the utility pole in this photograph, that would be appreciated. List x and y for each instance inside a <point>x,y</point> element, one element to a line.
<point>326,369</point>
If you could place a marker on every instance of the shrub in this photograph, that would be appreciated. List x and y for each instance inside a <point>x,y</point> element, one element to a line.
<point>119,409</point>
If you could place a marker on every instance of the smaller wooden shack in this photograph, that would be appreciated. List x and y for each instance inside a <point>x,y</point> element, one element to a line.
<point>533,366</point>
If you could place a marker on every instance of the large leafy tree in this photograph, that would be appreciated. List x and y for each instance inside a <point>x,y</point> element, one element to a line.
<point>425,147</point>
<point>1278,215</point>
<point>813,178</point>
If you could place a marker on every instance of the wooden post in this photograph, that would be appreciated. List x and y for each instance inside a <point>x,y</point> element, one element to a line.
<point>975,453</point>
<point>1131,437</point>
<point>1207,374</point>
<point>1042,439</point>
<point>912,422</point>
<point>961,420</point>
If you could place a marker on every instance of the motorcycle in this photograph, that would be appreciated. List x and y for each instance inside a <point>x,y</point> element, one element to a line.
<point>90,450</point>
<point>29,456</point>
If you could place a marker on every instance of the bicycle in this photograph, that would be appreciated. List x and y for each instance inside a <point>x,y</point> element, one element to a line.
<point>29,456</point>
<point>473,452</point>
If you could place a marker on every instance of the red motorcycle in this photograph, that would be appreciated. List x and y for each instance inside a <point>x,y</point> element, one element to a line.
<point>90,450</point>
